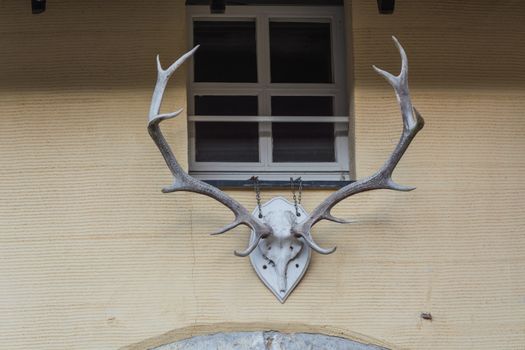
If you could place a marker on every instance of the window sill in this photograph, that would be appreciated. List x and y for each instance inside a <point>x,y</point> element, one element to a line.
<point>276,184</point>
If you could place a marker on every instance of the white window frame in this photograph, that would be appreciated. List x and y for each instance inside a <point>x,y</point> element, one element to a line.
<point>265,168</point>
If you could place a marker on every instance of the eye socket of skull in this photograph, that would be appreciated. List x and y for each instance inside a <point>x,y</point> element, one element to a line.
<point>280,249</point>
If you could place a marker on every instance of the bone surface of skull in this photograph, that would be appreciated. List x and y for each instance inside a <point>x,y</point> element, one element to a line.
<point>281,246</point>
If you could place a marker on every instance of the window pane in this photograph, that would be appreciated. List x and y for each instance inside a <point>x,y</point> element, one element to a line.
<point>300,52</point>
<point>302,106</point>
<point>227,52</point>
<point>226,105</point>
<point>303,142</point>
<point>226,142</point>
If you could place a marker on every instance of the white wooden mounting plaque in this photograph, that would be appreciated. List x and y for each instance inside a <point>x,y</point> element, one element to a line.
<point>264,266</point>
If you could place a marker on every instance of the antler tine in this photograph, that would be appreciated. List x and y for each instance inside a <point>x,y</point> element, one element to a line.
<point>162,80</point>
<point>382,179</point>
<point>412,120</point>
<point>311,243</point>
<point>250,247</point>
<point>182,180</point>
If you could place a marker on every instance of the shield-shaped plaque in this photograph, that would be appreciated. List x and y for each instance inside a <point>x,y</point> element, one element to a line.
<point>265,267</point>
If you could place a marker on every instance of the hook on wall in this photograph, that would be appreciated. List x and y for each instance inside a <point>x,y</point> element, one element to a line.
<point>386,7</point>
<point>38,6</point>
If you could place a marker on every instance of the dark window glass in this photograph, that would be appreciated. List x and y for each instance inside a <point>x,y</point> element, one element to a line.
<point>227,142</point>
<point>300,52</point>
<point>227,52</point>
<point>226,105</point>
<point>302,106</point>
<point>303,142</point>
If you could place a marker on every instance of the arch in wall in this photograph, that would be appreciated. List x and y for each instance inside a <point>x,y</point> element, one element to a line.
<point>253,337</point>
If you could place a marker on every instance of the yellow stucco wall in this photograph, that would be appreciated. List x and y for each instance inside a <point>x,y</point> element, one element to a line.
<point>93,256</point>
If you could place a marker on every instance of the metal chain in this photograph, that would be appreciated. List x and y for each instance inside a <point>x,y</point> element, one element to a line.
<point>300,189</point>
<point>295,200</point>
<point>257,190</point>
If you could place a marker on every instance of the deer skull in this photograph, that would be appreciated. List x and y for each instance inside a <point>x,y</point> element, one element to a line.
<point>281,246</point>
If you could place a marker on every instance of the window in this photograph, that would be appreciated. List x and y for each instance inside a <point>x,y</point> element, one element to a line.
<point>267,93</point>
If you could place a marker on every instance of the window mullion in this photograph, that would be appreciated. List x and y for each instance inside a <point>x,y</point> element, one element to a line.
<point>263,59</point>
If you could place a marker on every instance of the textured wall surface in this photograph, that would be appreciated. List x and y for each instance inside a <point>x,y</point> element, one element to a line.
<point>93,256</point>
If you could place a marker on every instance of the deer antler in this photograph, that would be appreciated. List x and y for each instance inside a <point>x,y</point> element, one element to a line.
<point>382,179</point>
<point>182,180</point>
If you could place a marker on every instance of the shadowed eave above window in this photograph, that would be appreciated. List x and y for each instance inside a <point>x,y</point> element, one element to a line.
<point>272,2</point>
